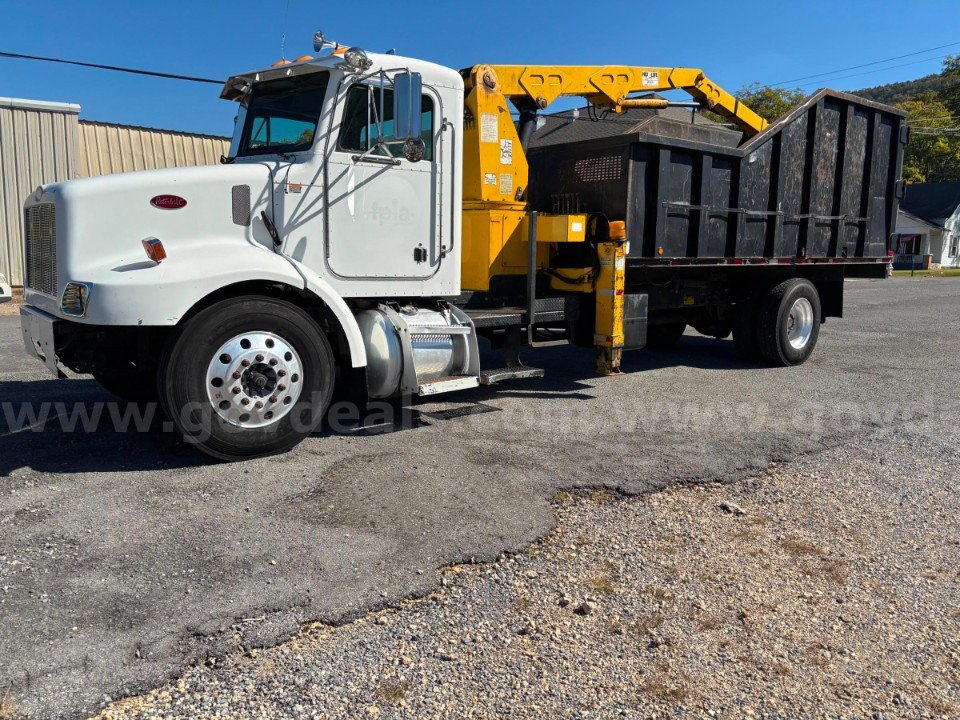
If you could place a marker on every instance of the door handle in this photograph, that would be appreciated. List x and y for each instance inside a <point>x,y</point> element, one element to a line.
<point>376,160</point>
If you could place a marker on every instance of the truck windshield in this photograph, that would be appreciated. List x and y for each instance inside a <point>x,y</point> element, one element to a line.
<point>282,115</point>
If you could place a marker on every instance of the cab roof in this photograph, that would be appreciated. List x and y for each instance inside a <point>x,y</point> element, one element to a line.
<point>434,74</point>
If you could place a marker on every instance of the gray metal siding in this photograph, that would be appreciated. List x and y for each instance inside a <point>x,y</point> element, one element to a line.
<point>37,146</point>
<point>106,148</point>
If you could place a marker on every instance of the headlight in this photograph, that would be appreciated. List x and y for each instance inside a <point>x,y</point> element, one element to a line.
<point>75,298</point>
<point>357,59</point>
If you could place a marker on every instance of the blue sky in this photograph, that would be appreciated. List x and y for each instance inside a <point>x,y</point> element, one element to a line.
<point>735,42</point>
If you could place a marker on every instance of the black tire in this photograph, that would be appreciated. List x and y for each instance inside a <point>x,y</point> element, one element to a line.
<point>664,335</point>
<point>184,377</point>
<point>131,384</point>
<point>745,342</point>
<point>782,310</point>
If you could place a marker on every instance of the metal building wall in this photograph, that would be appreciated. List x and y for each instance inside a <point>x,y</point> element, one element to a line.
<point>38,142</point>
<point>108,148</point>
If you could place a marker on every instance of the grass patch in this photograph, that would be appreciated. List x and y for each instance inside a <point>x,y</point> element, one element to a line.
<point>646,625</point>
<point>705,624</point>
<point>744,534</point>
<point>942,707</point>
<point>603,584</point>
<point>781,669</point>
<point>613,625</point>
<point>942,272</point>
<point>801,548</point>
<point>658,592</point>
<point>659,689</point>
<point>835,570</point>
<point>602,496</point>
<point>815,654</point>
<point>561,497</point>
<point>523,603</point>
<point>393,692</point>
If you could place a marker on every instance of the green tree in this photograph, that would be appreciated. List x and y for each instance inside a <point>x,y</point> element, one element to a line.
<point>770,103</point>
<point>933,154</point>
<point>950,89</point>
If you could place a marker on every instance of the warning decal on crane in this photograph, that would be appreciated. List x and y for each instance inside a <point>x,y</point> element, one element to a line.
<point>650,78</point>
<point>506,152</point>
<point>489,127</point>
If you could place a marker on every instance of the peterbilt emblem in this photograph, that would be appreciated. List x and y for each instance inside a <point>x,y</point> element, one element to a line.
<point>168,202</point>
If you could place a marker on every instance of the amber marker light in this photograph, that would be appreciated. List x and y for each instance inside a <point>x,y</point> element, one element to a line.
<point>154,249</point>
<point>618,230</point>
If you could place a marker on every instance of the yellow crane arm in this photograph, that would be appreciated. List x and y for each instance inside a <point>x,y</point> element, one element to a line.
<point>533,87</point>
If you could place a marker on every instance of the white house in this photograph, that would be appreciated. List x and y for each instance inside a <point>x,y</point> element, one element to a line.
<point>928,226</point>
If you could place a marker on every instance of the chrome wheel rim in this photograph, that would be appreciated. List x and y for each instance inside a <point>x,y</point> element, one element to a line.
<point>254,379</point>
<point>800,323</point>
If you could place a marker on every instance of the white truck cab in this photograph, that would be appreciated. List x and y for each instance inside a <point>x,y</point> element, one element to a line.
<point>281,254</point>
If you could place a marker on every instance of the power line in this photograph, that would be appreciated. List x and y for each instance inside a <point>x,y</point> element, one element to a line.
<point>114,68</point>
<point>870,72</point>
<point>869,64</point>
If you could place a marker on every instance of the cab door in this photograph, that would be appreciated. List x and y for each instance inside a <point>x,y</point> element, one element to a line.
<point>383,211</point>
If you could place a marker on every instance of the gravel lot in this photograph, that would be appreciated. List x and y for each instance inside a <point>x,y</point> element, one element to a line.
<point>125,557</point>
<point>824,588</point>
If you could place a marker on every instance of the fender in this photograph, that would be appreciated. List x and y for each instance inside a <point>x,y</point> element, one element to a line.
<point>323,290</point>
<point>148,294</point>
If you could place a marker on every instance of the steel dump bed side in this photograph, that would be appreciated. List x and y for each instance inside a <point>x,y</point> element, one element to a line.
<point>821,184</point>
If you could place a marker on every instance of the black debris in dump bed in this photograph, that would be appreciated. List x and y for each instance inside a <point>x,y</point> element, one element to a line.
<point>821,182</point>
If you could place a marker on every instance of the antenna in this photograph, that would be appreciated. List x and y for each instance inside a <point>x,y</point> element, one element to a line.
<point>283,35</point>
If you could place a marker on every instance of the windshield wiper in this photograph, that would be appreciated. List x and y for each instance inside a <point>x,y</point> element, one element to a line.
<point>226,160</point>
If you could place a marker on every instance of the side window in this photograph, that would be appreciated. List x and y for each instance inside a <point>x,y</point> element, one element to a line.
<point>359,131</point>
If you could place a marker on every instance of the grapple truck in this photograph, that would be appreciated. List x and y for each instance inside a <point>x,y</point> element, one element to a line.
<point>377,215</point>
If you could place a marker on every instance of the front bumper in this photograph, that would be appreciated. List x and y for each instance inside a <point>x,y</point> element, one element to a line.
<point>39,338</point>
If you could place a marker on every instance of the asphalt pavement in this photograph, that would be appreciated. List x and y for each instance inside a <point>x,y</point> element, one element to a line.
<point>125,556</point>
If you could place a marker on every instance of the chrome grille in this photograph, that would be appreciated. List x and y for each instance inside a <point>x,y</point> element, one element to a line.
<point>40,248</point>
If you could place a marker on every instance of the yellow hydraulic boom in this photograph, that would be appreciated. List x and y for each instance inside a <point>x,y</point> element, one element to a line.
<point>532,87</point>
<point>495,222</point>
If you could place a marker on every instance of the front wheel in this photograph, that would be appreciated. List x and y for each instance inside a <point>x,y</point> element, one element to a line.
<point>248,376</point>
<point>789,322</point>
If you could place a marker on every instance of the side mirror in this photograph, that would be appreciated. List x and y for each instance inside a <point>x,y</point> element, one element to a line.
<point>407,88</point>
<point>414,149</point>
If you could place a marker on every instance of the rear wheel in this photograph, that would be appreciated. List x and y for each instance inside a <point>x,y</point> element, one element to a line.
<point>665,335</point>
<point>789,322</point>
<point>248,376</point>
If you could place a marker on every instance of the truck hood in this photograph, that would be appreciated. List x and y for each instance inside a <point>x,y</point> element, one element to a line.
<point>102,221</point>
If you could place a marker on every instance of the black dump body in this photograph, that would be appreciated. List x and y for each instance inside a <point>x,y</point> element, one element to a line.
<point>823,182</point>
